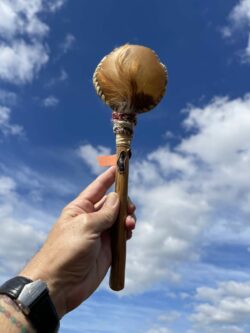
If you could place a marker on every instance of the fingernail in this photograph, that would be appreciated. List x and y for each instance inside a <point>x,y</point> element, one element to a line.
<point>132,221</point>
<point>112,199</point>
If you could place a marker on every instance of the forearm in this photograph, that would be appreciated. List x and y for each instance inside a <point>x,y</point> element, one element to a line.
<point>12,320</point>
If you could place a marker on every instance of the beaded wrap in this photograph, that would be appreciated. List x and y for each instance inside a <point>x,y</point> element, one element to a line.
<point>123,123</point>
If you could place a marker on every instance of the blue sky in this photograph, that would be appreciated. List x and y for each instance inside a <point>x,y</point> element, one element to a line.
<point>187,267</point>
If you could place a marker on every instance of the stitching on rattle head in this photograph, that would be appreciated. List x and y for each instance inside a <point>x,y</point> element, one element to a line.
<point>131,80</point>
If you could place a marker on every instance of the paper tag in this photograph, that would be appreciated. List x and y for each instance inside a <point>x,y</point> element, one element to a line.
<point>105,161</point>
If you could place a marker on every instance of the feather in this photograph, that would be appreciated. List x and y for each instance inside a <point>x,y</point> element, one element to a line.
<point>131,79</point>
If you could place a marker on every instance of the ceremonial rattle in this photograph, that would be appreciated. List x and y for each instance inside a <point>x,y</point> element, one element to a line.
<point>131,80</point>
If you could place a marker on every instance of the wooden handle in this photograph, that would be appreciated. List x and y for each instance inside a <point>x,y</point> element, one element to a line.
<point>117,275</point>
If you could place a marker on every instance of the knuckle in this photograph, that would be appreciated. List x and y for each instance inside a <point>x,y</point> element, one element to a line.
<point>87,206</point>
<point>87,221</point>
<point>108,216</point>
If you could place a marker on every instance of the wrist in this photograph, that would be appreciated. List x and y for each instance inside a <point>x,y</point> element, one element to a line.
<point>55,287</point>
<point>33,300</point>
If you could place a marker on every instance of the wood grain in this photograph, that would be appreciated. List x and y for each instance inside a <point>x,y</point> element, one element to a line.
<point>117,275</point>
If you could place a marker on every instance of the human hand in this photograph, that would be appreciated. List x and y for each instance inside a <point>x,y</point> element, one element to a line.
<point>77,253</point>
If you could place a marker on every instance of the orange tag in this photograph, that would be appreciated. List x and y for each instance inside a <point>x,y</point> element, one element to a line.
<point>105,161</point>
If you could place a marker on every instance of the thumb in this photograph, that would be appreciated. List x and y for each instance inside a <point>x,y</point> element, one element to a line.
<point>104,218</point>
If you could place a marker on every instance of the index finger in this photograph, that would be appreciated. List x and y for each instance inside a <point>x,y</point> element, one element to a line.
<point>97,189</point>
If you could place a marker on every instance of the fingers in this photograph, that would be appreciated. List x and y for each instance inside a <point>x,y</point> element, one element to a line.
<point>104,218</point>
<point>96,190</point>
<point>131,209</point>
<point>130,222</point>
<point>131,218</point>
<point>107,214</point>
<point>131,206</point>
<point>93,193</point>
<point>129,234</point>
<point>100,203</point>
<point>130,225</point>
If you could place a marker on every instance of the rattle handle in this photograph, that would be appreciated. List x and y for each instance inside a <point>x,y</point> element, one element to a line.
<point>117,275</point>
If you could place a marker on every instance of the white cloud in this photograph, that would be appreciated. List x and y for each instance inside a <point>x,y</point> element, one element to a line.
<point>239,20</point>
<point>19,238</point>
<point>6,127</point>
<point>20,61</point>
<point>247,51</point>
<point>224,309</point>
<point>223,127</point>
<point>111,315</point>
<point>163,321</point>
<point>170,317</point>
<point>159,329</point>
<point>55,5</point>
<point>21,17</point>
<point>169,161</point>
<point>50,101</point>
<point>7,186</point>
<point>240,14</point>
<point>169,135</point>
<point>89,153</point>
<point>61,77</point>
<point>68,42</point>
<point>24,220</point>
<point>23,51</point>
<point>19,242</point>
<point>32,182</point>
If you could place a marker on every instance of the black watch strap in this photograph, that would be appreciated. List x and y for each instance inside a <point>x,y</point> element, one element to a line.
<point>13,287</point>
<point>42,314</point>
